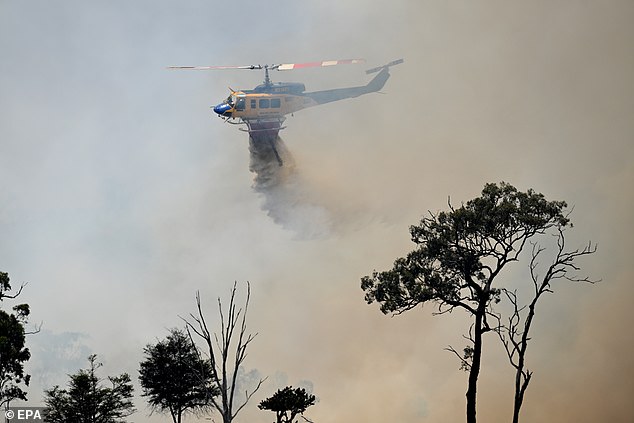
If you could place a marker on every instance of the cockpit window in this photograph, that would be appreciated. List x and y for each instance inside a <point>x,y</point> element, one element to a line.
<point>241,103</point>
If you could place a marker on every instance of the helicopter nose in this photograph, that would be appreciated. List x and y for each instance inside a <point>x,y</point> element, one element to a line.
<point>222,109</point>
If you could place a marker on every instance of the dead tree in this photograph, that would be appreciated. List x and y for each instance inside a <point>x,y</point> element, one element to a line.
<point>514,332</point>
<point>226,351</point>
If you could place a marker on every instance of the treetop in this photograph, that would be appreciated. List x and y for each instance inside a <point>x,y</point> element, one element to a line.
<point>459,252</point>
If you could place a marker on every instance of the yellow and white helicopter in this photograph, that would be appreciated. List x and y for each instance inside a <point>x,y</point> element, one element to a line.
<point>264,108</point>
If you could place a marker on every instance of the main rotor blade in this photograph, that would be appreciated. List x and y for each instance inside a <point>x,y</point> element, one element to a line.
<point>289,66</point>
<point>283,66</point>
<point>216,67</point>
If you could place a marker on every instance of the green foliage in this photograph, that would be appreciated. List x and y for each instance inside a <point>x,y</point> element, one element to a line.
<point>13,353</point>
<point>175,378</point>
<point>5,284</point>
<point>86,400</point>
<point>467,357</point>
<point>288,403</point>
<point>461,251</point>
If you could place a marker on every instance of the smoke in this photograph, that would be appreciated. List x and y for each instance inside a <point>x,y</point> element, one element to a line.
<point>125,198</point>
<point>57,354</point>
<point>284,193</point>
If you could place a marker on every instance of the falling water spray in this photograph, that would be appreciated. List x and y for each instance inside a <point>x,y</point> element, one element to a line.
<point>282,189</point>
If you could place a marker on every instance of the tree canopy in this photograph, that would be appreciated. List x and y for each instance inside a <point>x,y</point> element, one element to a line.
<point>459,254</point>
<point>287,403</point>
<point>175,378</point>
<point>13,352</point>
<point>87,400</point>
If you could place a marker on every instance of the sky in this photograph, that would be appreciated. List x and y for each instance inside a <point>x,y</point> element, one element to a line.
<point>121,195</point>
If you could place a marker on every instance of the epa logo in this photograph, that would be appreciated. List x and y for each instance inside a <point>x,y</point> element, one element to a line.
<point>26,415</point>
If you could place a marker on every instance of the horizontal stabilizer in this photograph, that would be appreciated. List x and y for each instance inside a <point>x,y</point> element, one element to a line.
<point>378,68</point>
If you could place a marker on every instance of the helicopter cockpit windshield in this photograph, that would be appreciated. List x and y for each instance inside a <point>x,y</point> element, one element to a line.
<point>241,102</point>
<point>236,100</point>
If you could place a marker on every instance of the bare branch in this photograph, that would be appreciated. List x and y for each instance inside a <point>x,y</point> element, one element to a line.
<point>308,420</point>
<point>37,329</point>
<point>226,350</point>
<point>17,294</point>
<point>514,334</point>
<point>464,364</point>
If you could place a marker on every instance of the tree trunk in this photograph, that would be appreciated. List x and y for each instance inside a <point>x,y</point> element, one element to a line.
<point>474,370</point>
<point>520,386</point>
<point>522,380</point>
<point>516,409</point>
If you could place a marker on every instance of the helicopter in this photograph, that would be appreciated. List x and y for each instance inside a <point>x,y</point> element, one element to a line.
<point>263,109</point>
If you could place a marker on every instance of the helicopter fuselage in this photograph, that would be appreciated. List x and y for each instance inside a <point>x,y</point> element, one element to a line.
<point>253,105</point>
<point>275,100</point>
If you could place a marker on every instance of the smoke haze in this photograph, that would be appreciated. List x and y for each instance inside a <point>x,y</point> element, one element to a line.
<point>121,195</point>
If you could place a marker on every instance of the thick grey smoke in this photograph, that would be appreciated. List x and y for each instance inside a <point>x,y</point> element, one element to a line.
<point>120,196</point>
<point>284,194</point>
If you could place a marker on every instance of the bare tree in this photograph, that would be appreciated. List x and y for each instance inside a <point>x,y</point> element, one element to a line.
<point>514,333</point>
<point>226,351</point>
